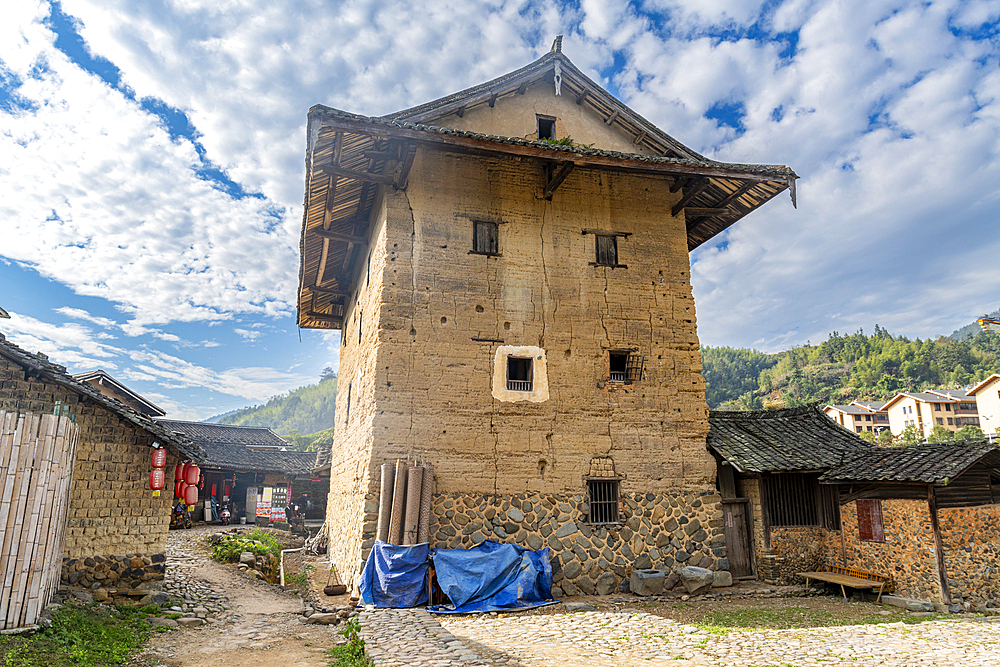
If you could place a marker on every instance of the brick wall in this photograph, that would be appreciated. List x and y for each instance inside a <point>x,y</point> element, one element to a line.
<point>111,509</point>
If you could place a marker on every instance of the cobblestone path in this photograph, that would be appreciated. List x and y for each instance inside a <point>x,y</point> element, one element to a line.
<point>628,638</point>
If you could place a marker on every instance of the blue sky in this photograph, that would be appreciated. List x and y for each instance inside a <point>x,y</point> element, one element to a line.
<point>151,163</point>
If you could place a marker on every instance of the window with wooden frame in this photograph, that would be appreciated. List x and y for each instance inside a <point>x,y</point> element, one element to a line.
<point>485,237</point>
<point>607,250</point>
<point>602,497</point>
<point>546,127</point>
<point>870,527</point>
<point>625,366</point>
<point>798,499</point>
<point>519,374</point>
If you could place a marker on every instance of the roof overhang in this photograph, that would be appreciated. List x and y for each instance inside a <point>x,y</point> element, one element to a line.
<point>349,157</point>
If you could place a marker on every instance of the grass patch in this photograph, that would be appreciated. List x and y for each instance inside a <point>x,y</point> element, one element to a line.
<point>351,653</point>
<point>258,542</point>
<point>90,636</point>
<point>722,621</point>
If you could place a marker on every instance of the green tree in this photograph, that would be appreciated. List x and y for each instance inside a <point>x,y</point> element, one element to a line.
<point>867,435</point>
<point>940,434</point>
<point>969,432</point>
<point>885,437</point>
<point>909,436</point>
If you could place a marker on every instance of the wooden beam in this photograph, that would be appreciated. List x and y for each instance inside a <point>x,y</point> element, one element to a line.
<point>740,191</point>
<point>555,176</point>
<point>493,100</point>
<point>339,236</point>
<point>404,171</point>
<point>523,88</point>
<point>679,183</point>
<point>692,192</point>
<point>327,290</point>
<point>338,147</point>
<point>325,317</point>
<point>381,155</point>
<point>331,192</point>
<point>582,96</point>
<point>612,117</point>
<point>942,571</point>
<point>638,140</point>
<point>384,179</point>
<point>460,111</point>
<point>695,211</point>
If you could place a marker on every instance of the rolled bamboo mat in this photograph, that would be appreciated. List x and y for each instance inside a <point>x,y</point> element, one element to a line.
<point>398,498</point>
<point>414,477</point>
<point>385,501</point>
<point>426,494</point>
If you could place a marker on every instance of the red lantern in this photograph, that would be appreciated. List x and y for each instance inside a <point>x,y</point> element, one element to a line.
<point>179,472</point>
<point>179,486</point>
<point>156,479</point>
<point>201,482</point>
<point>159,458</point>
<point>191,474</point>
<point>190,494</point>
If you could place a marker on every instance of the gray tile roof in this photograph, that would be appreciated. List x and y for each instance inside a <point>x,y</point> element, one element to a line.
<point>801,438</point>
<point>925,463</point>
<point>232,448</point>
<point>851,409</point>
<point>40,365</point>
<point>873,406</point>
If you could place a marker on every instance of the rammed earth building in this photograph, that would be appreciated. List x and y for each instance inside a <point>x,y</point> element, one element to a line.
<point>509,269</point>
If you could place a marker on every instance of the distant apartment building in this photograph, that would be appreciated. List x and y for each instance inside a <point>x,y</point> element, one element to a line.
<point>951,409</point>
<point>859,416</point>
<point>987,397</point>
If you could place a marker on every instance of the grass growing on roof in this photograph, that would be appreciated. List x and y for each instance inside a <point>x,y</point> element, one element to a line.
<point>81,636</point>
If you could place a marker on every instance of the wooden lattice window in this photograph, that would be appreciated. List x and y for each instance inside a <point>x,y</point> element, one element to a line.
<point>519,374</point>
<point>625,366</point>
<point>798,499</point>
<point>485,238</point>
<point>602,496</point>
<point>870,527</point>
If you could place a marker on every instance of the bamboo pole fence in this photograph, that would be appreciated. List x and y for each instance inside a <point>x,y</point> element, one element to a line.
<point>37,453</point>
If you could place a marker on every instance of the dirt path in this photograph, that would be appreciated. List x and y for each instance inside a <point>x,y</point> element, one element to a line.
<point>262,626</point>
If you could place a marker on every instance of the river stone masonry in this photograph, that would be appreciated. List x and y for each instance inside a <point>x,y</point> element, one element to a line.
<point>665,532</point>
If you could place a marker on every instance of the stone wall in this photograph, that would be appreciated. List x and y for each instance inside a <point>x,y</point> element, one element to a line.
<point>971,540</point>
<point>802,549</point>
<point>665,531</point>
<point>352,521</point>
<point>114,574</point>
<point>112,510</point>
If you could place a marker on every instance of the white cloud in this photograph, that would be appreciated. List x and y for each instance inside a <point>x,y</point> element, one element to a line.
<point>72,345</point>
<point>247,334</point>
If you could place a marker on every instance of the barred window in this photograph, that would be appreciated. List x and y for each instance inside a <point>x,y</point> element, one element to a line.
<point>798,499</point>
<point>607,250</point>
<point>625,366</point>
<point>519,374</point>
<point>602,496</point>
<point>485,238</point>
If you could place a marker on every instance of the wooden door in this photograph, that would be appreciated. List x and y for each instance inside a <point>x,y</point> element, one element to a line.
<point>736,527</point>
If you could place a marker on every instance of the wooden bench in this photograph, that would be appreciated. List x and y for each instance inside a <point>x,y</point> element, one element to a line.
<point>846,576</point>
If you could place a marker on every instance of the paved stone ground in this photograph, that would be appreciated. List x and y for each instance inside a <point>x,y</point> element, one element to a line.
<point>190,592</point>
<point>627,638</point>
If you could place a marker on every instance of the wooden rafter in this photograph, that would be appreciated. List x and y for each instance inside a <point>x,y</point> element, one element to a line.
<point>696,189</point>
<point>612,117</point>
<point>679,183</point>
<point>582,96</point>
<point>366,176</point>
<point>742,190</point>
<point>555,175</point>
<point>493,99</point>
<point>523,88</point>
<point>460,111</point>
<point>404,171</point>
<point>638,139</point>
<point>700,212</point>
<point>325,317</point>
<point>339,236</point>
<point>331,291</point>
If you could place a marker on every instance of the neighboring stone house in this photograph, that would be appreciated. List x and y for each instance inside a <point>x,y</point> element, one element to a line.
<point>778,517</point>
<point>112,512</point>
<point>519,314</point>
<point>928,515</point>
<point>241,457</point>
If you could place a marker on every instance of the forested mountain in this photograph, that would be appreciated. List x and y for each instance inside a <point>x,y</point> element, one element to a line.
<point>306,410</point>
<point>846,367</point>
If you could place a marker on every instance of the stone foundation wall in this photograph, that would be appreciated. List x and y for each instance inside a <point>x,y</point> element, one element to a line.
<point>971,540</point>
<point>802,549</point>
<point>352,520</point>
<point>663,531</point>
<point>113,573</point>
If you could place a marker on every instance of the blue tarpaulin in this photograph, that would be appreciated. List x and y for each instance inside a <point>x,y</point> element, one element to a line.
<point>492,577</point>
<point>395,577</point>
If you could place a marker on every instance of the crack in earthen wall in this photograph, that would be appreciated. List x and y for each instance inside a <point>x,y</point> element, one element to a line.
<point>413,313</point>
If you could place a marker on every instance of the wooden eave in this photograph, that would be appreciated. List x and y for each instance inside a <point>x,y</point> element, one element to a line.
<point>349,157</point>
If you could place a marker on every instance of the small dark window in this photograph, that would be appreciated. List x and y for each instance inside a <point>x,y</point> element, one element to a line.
<point>868,418</point>
<point>546,127</point>
<point>602,495</point>
<point>625,366</point>
<point>485,239</point>
<point>519,374</point>
<point>870,521</point>
<point>347,417</point>
<point>947,407</point>
<point>940,421</point>
<point>607,250</point>
<point>937,407</point>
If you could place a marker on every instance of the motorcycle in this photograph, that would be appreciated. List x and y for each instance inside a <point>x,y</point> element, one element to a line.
<point>181,517</point>
<point>225,515</point>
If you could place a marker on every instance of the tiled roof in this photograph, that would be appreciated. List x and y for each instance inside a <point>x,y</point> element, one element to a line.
<point>924,463</point>
<point>870,406</point>
<point>801,438</point>
<point>957,394</point>
<point>40,365</point>
<point>324,456</point>
<point>850,409</point>
<point>233,448</point>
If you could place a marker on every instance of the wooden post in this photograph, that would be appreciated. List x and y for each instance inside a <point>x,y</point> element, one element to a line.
<point>942,572</point>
